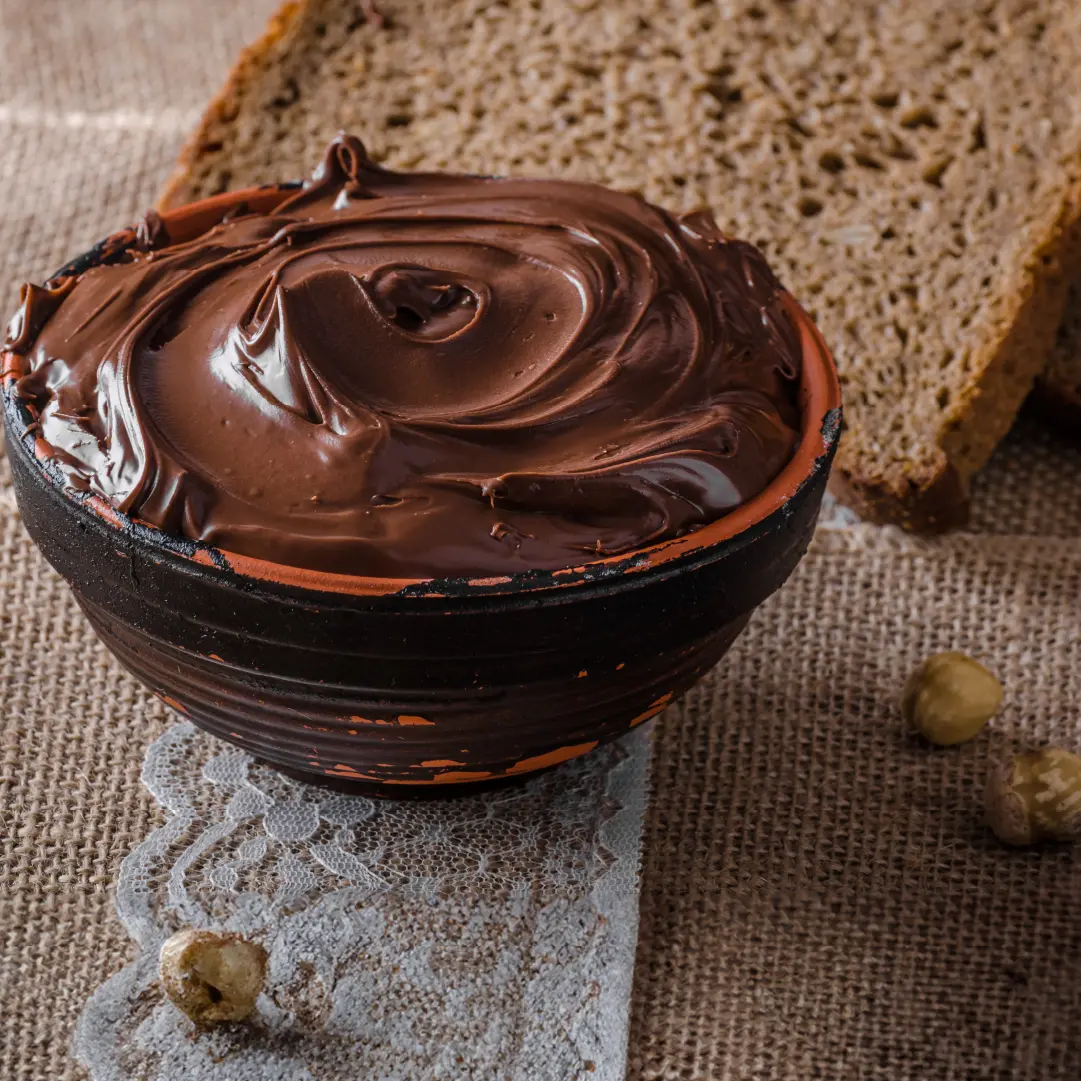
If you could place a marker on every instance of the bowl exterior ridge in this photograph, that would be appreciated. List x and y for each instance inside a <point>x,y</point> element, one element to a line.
<point>401,691</point>
<point>415,736</point>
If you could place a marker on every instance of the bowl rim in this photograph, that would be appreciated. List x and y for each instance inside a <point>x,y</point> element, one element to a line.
<point>820,428</point>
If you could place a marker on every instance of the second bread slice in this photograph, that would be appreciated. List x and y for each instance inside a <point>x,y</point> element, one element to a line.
<point>1059,386</point>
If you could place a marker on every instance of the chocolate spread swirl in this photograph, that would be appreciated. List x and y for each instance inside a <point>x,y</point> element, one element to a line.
<point>420,375</point>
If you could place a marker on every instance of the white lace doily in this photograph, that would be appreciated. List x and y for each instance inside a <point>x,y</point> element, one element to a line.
<point>486,937</point>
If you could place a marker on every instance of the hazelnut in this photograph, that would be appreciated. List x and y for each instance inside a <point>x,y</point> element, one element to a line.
<point>1036,797</point>
<point>949,698</point>
<point>212,976</point>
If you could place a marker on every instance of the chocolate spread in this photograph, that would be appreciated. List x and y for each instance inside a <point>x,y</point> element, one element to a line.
<point>417,375</point>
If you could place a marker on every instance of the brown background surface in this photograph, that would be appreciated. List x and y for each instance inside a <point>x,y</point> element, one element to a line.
<point>820,898</point>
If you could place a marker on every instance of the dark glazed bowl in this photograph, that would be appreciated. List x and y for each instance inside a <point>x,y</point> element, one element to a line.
<point>368,683</point>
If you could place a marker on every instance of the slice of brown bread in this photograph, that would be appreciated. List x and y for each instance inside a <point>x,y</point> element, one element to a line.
<point>1058,390</point>
<point>911,168</point>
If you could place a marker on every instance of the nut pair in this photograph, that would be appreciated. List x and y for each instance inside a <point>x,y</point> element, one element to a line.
<point>1033,797</point>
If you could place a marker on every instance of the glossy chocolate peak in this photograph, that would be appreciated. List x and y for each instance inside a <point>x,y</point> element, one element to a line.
<point>420,375</point>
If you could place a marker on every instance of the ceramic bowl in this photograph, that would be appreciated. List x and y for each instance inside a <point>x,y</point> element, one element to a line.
<point>406,686</point>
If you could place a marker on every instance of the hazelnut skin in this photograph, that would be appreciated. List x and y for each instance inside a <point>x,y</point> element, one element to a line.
<point>949,698</point>
<point>212,976</point>
<point>1036,797</point>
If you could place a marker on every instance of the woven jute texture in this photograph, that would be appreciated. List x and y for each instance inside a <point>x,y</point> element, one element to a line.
<point>820,897</point>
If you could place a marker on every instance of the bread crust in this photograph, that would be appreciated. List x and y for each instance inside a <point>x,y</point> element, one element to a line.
<point>223,109</point>
<point>1007,369</point>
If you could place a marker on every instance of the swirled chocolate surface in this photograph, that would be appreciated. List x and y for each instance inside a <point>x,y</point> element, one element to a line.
<point>417,375</point>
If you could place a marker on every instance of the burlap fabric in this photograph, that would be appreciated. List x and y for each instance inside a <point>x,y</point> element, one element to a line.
<point>820,898</point>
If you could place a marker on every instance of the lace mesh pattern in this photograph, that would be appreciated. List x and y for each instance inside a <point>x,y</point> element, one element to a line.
<point>481,937</point>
